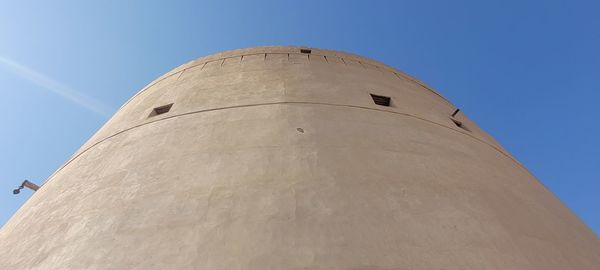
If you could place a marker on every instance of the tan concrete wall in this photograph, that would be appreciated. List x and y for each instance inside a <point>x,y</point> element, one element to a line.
<point>275,159</point>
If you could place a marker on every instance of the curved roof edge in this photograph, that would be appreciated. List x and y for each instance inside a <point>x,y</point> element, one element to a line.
<point>283,49</point>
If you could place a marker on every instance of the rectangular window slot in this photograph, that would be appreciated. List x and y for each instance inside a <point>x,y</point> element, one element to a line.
<point>161,110</point>
<point>381,100</point>
<point>305,51</point>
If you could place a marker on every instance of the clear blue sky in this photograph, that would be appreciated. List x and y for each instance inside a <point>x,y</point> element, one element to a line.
<point>528,72</point>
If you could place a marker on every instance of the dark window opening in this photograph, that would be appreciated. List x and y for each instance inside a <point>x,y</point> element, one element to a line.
<point>305,51</point>
<point>381,100</point>
<point>459,124</point>
<point>160,110</point>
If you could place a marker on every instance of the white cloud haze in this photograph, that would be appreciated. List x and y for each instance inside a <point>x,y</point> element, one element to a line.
<point>55,87</point>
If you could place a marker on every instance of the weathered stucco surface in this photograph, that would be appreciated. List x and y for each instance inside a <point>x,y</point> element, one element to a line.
<point>275,159</point>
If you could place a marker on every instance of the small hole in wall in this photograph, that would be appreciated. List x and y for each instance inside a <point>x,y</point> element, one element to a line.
<point>305,51</point>
<point>381,100</point>
<point>300,130</point>
<point>161,110</point>
<point>459,124</point>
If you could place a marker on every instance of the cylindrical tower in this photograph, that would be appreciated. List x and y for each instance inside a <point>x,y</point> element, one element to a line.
<point>293,158</point>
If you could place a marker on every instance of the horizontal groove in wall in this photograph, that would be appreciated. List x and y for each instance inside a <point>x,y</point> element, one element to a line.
<point>79,153</point>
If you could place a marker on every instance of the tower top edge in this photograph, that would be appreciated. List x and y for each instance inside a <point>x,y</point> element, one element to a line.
<point>289,49</point>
